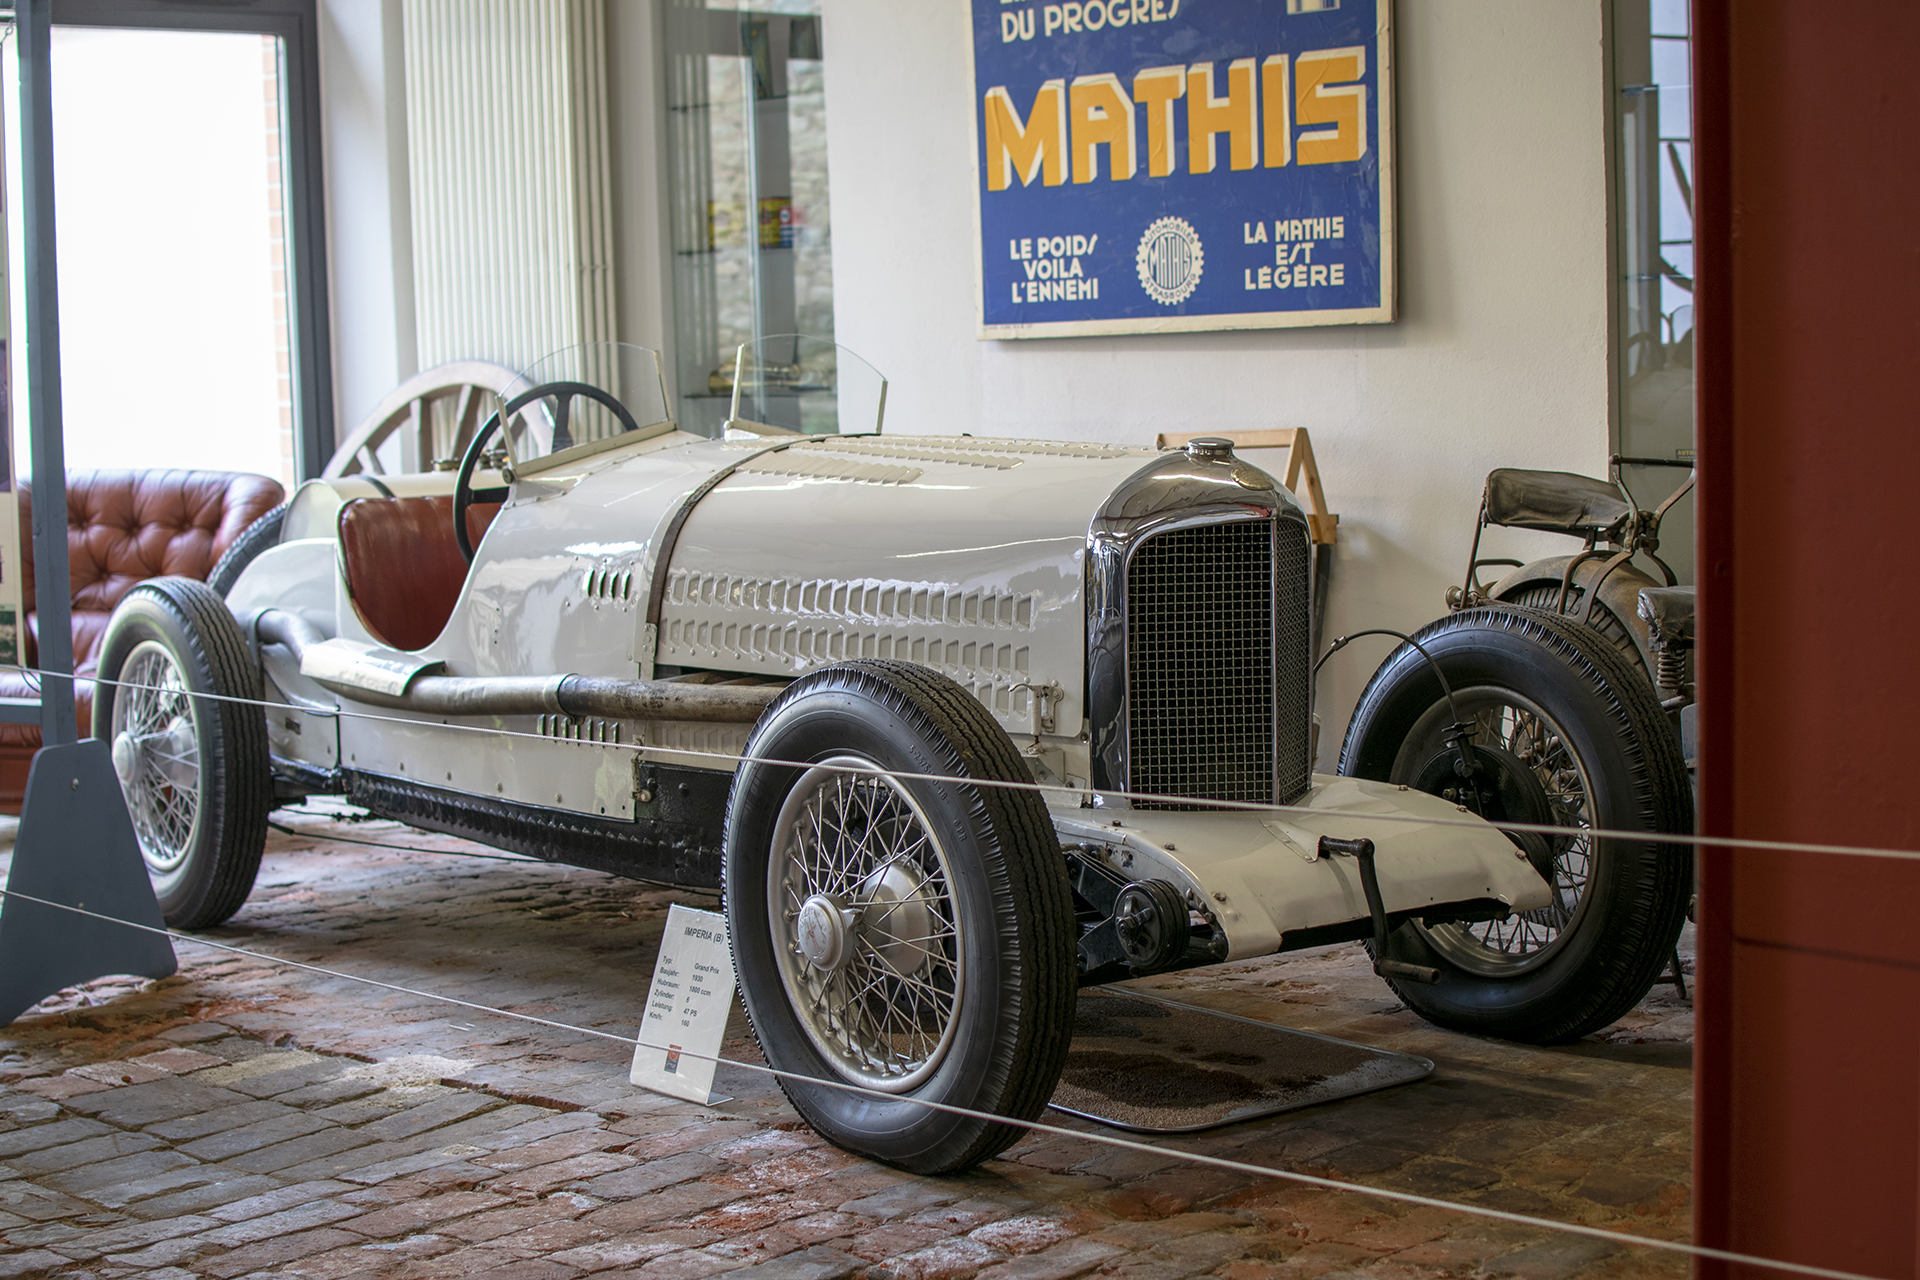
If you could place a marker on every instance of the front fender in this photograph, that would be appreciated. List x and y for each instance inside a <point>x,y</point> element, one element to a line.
<point>1261,875</point>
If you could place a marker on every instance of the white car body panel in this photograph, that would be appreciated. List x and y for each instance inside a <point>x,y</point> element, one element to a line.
<point>964,555</point>
<point>1262,875</point>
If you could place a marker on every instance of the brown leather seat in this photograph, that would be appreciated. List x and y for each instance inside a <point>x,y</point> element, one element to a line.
<point>123,527</point>
<point>404,570</point>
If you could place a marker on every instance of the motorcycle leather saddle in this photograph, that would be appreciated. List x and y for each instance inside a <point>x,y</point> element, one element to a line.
<point>1556,502</point>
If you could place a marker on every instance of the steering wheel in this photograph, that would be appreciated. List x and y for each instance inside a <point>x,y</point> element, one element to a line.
<point>563,393</point>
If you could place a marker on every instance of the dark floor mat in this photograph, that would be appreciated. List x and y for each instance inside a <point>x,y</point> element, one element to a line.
<point>1153,1066</point>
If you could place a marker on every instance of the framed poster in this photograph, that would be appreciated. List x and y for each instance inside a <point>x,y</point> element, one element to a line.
<point>1160,166</point>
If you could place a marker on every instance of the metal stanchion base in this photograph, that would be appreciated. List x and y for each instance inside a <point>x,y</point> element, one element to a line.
<point>76,846</point>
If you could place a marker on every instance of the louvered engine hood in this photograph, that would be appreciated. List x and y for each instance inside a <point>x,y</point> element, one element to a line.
<point>960,553</point>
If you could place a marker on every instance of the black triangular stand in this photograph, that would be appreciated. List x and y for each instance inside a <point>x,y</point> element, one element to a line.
<point>76,846</point>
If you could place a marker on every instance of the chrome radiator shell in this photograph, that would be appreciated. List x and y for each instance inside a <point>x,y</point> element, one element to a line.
<point>1195,491</point>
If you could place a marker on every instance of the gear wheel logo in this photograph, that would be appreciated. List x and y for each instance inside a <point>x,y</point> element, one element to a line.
<point>1170,260</point>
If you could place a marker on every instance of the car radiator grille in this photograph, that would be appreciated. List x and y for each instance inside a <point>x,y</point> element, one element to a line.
<point>1218,679</point>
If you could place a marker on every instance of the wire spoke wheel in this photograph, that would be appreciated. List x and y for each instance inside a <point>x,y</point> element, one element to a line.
<point>157,756</point>
<point>1568,733</point>
<point>1521,727</point>
<point>898,927</point>
<point>862,912</point>
<point>178,701</point>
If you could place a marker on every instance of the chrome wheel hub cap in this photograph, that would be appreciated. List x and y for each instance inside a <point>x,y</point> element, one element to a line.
<point>822,930</point>
<point>157,757</point>
<point>170,753</point>
<point>180,754</point>
<point>866,930</point>
<point>898,919</point>
<point>126,758</point>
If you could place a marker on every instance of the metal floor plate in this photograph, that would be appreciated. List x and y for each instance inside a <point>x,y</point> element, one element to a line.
<point>1150,1065</point>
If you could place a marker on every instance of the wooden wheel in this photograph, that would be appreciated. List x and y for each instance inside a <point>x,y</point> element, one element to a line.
<point>428,420</point>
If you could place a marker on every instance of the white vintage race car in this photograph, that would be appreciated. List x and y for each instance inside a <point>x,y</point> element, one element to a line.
<point>955,725</point>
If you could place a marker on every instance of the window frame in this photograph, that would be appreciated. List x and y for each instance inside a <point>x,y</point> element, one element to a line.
<point>309,315</point>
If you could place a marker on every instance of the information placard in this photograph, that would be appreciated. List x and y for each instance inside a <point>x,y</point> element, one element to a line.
<point>1151,166</point>
<point>687,1007</point>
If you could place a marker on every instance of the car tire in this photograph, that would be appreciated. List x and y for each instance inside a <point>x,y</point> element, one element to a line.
<point>962,990</point>
<point>1545,596</point>
<point>1574,713</point>
<point>255,538</point>
<point>194,769</point>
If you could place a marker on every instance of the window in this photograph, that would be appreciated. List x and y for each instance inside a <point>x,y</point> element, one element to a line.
<point>173,321</point>
<point>192,255</point>
<point>1654,253</point>
<point>751,235</point>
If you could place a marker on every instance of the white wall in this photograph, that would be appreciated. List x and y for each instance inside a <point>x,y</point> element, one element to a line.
<point>1499,358</point>
<point>369,236</point>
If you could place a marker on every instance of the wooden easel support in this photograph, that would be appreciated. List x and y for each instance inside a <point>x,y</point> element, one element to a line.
<point>1300,466</point>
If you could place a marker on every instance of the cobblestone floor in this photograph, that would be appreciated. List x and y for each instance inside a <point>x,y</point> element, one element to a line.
<point>241,1120</point>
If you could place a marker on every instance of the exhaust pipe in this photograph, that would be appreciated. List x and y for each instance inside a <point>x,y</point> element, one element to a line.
<point>607,697</point>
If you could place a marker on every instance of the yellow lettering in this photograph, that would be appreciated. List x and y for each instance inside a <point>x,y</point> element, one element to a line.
<point>1158,87</point>
<point>1323,95</point>
<point>1277,95</point>
<point>1102,116</point>
<point>1234,115</point>
<point>1038,146</point>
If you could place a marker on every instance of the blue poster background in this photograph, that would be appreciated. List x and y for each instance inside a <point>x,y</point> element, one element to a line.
<point>1093,230</point>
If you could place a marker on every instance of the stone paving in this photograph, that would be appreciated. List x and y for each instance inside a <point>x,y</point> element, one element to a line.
<point>241,1119</point>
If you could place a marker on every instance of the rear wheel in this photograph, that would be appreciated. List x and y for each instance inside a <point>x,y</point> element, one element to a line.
<point>245,549</point>
<point>179,701</point>
<point>1569,734</point>
<point>911,937</point>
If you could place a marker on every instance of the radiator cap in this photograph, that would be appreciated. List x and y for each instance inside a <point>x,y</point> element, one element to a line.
<point>1210,449</point>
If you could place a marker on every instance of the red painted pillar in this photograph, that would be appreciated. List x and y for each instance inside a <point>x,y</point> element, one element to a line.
<point>1807,1065</point>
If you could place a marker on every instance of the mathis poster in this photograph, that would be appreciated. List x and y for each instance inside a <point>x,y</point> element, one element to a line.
<point>1155,166</point>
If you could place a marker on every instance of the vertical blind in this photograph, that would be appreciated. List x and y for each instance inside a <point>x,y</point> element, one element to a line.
<point>508,165</point>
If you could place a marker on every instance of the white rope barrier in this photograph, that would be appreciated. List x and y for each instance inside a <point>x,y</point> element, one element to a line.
<point>1037,1126</point>
<point>723,760</point>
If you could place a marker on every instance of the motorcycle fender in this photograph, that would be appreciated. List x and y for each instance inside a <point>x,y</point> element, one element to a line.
<point>1620,593</point>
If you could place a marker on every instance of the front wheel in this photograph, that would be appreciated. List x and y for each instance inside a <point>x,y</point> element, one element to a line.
<point>912,936</point>
<point>1567,732</point>
<point>179,700</point>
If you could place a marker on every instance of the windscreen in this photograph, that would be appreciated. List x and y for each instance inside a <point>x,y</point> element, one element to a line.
<point>810,385</point>
<point>584,394</point>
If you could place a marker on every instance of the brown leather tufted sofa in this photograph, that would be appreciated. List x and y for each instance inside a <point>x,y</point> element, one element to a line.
<point>123,527</point>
